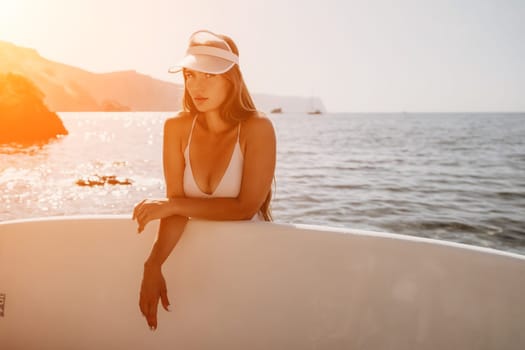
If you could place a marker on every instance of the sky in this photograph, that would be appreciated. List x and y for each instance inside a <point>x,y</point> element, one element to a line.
<point>356,55</point>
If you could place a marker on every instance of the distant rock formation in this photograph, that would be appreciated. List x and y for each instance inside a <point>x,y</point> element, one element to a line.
<point>24,118</point>
<point>68,88</point>
<point>114,106</point>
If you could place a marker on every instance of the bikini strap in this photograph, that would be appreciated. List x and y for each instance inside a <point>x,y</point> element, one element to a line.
<point>238,132</point>
<point>191,131</point>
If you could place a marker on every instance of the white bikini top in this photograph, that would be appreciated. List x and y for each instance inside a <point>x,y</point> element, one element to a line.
<point>230,183</point>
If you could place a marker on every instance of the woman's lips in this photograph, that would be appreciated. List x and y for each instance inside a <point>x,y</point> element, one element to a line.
<point>200,99</point>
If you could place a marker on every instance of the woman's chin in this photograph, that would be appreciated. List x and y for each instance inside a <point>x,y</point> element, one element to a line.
<point>203,109</point>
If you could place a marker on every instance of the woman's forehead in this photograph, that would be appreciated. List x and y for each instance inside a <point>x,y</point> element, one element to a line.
<point>195,72</point>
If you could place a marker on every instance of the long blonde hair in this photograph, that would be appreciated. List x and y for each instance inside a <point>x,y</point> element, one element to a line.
<point>238,106</point>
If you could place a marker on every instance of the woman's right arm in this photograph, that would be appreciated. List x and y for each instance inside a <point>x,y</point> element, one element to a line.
<point>171,228</point>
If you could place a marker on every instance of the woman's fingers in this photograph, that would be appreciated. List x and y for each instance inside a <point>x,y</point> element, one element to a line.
<point>142,306</point>
<point>149,311</point>
<point>151,316</point>
<point>152,289</point>
<point>137,209</point>
<point>142,223</point>
<point>164,298</point>
<point>142,219</point>
<point>148,210</point>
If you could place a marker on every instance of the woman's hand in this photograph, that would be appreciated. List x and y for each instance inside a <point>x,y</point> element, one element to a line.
<point>152,289</point>
<point>148,210</point>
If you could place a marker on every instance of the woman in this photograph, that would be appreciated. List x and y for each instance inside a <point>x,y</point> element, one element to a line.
<point>218,154</point>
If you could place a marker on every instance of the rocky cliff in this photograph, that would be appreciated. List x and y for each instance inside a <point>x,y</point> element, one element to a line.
<point>68,88</point>
<point>24,118</point>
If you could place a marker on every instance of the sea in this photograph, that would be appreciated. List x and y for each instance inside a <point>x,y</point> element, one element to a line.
<point>449,176</point>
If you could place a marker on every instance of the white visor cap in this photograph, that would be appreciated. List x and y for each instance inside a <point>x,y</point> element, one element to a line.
<point>208,53</point>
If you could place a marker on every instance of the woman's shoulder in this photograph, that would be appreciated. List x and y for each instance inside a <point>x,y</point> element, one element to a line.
<point>178,122</point>
<point>258,120</point>
<point>179,118</point>
<point>258,125</point>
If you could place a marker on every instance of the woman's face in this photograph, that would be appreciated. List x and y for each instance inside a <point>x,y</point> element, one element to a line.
<point>207,91</point>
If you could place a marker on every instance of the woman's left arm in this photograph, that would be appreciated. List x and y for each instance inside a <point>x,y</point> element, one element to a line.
<point>258,173</point>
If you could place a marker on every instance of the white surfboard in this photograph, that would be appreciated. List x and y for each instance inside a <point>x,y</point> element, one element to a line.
<point>73,283</point>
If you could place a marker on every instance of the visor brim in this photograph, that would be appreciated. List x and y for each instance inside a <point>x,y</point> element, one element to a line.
<point>204,64</point>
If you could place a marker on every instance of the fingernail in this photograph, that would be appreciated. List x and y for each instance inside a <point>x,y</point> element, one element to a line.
<point>152,328</point>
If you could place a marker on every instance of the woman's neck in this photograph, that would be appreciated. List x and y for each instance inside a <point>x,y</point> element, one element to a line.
<point>213,122</point>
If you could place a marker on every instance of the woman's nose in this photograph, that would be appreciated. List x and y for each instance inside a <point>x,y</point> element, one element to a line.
<point>198,83</point>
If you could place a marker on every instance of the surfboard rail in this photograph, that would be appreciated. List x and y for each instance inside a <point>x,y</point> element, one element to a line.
<point>73,283</point>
